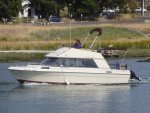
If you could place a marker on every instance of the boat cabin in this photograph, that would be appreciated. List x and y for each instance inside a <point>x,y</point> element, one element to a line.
<point>69,62</point>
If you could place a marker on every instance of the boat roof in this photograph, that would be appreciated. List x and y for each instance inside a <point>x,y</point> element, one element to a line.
<point>68,52</point>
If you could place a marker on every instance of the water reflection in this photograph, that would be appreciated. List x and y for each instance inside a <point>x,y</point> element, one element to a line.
<point>71,98</point>
<point>67,99</point>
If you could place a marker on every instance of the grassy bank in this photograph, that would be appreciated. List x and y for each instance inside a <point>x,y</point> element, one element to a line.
<point>138,53</point>
<point>39,37</point>
<point>10,57</point>
<point>47,38</point>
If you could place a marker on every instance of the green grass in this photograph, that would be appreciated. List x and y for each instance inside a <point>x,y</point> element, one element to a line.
<point>119,37</point>
<point>10,57</point>
<point>138,53</point>
<point>50,39</point>
<point>109,33</point>
<point>7,57</point>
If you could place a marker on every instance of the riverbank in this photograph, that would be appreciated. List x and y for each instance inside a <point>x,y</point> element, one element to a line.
<point>27,57</point>
<point>18,37</point>
<point>47,38</point>
<point>53,37</point>
<point>34,56</point>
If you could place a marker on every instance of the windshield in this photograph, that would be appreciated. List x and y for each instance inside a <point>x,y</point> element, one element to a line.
<point>49,61</point>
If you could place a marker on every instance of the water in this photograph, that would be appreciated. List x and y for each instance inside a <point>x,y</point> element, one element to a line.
<point>43,98</point>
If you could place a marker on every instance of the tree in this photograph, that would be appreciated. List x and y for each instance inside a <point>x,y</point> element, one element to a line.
<point>88,7</point>
<point>43,7</point>
<point>70,5</point>
<point>9,8</point>
<point>47,7</point>
<point>59,5</point>
<point>78,7</point>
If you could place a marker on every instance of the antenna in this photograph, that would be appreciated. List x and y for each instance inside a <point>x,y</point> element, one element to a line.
<point>70,29</point>
<point>70,16</point>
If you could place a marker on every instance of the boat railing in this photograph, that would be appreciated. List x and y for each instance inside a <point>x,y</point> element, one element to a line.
<point>119,66</point>
<point>33,64</point>
<point>26,64</point>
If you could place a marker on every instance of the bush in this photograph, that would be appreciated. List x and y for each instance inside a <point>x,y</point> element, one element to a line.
<point>148,8</point>
<point>3,39</point>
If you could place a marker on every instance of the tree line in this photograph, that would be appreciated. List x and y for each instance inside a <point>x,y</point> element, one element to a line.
<point>10,8</point>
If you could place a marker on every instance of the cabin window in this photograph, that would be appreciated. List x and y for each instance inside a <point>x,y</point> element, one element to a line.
<point>89,63</point>
<point>65,62</point>
<point>72,62</point>
<point>49,61</point>
<point>69,62</point>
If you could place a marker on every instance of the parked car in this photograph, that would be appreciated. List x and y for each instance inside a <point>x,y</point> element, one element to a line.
<point>110,13</point>
<point>123,9</point>
<point>139,9</point>
<point>107,11</point>
<point>54,18</point>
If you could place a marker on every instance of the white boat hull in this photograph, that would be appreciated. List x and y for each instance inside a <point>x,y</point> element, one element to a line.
<point>59,75</point>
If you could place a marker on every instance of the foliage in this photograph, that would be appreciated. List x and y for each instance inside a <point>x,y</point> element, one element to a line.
<point>78,7</point>
<point>3,39</point>
<point>109,33</point>
<point>7,57</point>
<point>47,7</point>
<point>148,8</point>
<point>9,8</point>
<point>36,57</point>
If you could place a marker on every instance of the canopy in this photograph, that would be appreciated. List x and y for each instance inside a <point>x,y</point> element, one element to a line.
<point>99,30</point>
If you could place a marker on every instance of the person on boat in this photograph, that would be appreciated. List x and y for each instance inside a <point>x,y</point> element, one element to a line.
<point>77,44</point>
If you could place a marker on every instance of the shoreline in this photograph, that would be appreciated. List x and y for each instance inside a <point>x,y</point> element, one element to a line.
<point>37,55</point>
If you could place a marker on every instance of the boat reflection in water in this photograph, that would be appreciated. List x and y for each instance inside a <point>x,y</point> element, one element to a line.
<point>69,65</point>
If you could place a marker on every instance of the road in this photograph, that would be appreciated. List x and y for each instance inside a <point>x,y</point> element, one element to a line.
<point>137,19</point>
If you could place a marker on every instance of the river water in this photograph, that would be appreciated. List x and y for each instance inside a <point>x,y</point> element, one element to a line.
<point>43,98</point>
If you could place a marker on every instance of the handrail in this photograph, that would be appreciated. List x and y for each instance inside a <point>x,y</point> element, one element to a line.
<point>99,30</point>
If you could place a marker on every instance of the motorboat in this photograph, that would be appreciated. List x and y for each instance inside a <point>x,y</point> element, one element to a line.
<point>68,65</point>
<point>147,59</point>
